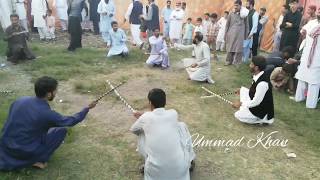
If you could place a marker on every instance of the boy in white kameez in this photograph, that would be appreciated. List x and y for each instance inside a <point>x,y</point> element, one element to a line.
<point>159,53</point>
<point>188,32</point>
<point>50,21</point>
<point>117,41</point>
<point>220,46</point>
<point>164,142</point>
<point>198,68</point>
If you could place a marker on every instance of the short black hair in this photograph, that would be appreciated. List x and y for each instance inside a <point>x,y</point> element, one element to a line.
<point>168,1</point>
<point>189,19</point>
<point>157,97</point>
<point>199,19</point>
<point>289,69</point>
<point>290,50</point>
<point>294,1</point>
<point>238,2</point>
<point>154,29</point>
<point>214,15</point>
<point>113,23</point>
<point>226,12</point>
<point>207,14</point>
<point>198,36</point>
<point>259,61</point>
<point>251,2</point>
<point>14,15</point>
<point>263,9</point>
<point>45,85</point>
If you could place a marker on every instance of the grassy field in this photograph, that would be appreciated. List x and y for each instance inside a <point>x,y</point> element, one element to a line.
<point>102,148</point>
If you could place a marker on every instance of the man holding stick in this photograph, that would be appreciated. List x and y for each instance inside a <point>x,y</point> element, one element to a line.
<point>17,37</point>
<point>33,131</point>
<point>159,54</point>
<point>164,142</point>
<point>256,104</point>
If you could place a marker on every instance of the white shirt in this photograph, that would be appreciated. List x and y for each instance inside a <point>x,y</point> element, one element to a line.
<point>279,22</point>
<point>261,90</point>
<point>166,156</point>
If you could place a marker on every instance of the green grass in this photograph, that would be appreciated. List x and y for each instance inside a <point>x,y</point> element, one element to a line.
<point>102,147</point>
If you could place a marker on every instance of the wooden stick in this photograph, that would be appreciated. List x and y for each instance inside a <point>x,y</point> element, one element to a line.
<point>224,94</point>
<point>122,99</point>
<point>108,92</point>
<point>6,92</point>
<point>216,95</point>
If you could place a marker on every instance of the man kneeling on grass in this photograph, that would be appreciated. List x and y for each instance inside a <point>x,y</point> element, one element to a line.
<point>164,142</point>
<point>33,131</point>
<point>256,104</point>
<point>117,41</point>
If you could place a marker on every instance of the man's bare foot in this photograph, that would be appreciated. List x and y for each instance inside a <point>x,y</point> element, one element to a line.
<point>40,165</point>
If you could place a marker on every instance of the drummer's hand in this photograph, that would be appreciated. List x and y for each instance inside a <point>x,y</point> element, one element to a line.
<point>137,114</point>
<point>93,104</point>
<point>236,104</point>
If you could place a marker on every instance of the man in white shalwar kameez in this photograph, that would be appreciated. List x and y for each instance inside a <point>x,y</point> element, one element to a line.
<point>163,141</point>
<point>106,9</point>
<point>22,12</point>
<point>6,11</point>
<point>309,70</point>
<point>39,11</point>
<point>134,11</point>
<point>117,41</point>
<point>176,22</point>
<point>198,68</point>
<point>159,53</point>
<point>62,12</point>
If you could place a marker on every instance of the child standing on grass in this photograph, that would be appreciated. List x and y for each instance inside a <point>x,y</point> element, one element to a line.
<point>50,20</point>
<point>143,32</point>
<point>188,32</point>
<point>199,27</point>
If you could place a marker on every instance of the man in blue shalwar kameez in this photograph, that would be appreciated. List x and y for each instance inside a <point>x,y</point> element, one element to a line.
<point>33,131</point>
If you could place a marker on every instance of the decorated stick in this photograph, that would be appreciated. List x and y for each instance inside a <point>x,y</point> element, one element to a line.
<point>18,33</point>
<point>6,92</point>
<point>122,99</point>
<point>216,95</point>
<point>108,92</point>
<point>224,94</point>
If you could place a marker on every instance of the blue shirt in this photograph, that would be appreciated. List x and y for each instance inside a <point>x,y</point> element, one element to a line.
<point>24,133</point>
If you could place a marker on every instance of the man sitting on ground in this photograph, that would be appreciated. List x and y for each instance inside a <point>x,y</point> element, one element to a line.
<point>198,68</point>
<point>164,142</point>
<point>159,54</point>
<point>117,41</point>
<point>33,131</point>
<point>256,104</point>
<point>17,38</point>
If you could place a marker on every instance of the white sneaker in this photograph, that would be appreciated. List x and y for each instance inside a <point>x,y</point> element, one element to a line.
<point>265,121</point>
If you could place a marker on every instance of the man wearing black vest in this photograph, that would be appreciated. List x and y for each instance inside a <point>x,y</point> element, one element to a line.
<point>135,10</point>
<point>151,15</point>
<point>256,104</point>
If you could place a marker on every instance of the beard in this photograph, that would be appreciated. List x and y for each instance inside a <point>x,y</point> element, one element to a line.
<point>194,41</point>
